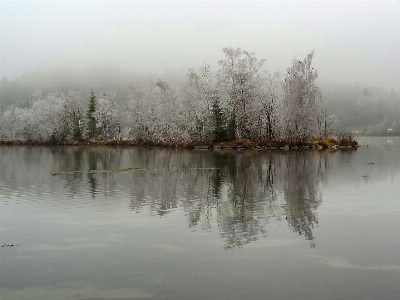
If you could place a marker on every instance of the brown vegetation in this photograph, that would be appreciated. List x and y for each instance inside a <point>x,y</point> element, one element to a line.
<point>244,144</point>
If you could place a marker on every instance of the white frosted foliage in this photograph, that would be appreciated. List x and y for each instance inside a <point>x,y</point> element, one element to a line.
<point>106,115</point>
<point>241,101</point>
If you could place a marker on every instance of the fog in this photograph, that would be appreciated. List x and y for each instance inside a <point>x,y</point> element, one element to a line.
<point>107,45</point>
<point>354,41</point>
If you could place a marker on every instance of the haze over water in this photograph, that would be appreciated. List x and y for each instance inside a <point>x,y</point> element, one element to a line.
<point>354,41</point>
<point>129,223</point>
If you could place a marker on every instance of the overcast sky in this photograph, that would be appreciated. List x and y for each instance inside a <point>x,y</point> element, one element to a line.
<point>353,40</point>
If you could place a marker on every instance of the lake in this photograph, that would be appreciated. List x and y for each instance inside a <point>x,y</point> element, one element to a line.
<point>106,223</point>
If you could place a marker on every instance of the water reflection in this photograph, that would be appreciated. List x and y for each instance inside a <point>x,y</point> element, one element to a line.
<point>242,192</point>
<point>236,193</point>
<point>303,172</point>
<point>92,165</point>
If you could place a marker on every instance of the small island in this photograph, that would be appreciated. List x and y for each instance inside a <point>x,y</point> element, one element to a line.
<point>241,106</point>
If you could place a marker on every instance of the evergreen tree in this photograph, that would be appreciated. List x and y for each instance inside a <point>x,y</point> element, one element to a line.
<point>230,126</point>
<point>219,132</point>
<point>91,124</point>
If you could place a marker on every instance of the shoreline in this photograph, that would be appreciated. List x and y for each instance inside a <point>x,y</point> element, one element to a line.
<point>229,145</point>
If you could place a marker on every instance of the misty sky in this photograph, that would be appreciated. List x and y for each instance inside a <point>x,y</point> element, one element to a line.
<point>353,40</point>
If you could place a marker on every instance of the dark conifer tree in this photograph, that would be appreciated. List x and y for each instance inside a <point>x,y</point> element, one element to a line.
<point>91,122</point>
<point>219,132</point>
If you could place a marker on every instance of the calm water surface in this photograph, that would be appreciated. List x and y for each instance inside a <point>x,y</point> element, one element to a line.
<point>133,223</point>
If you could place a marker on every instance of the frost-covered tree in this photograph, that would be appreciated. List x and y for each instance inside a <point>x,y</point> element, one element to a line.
<point>71,117</point>
<point>241,101</point>
<point>158,114</point>
<point>301,101</point>
<point>57,117</point>
<point>200,99</point>
<point>203,84</point>
<point>328,125</point>
<point>147,110</point>
<point>240,76</point>
<point>334,125</point>
<point>40,121</point>
<point>171,124</point>
<point>8,124</point>
<point>106,115</point>
<point>269,108</point>
<point>138,112</point>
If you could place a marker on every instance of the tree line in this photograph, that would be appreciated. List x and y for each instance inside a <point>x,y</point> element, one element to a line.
<point>241,101</point>
<point>368,110</point>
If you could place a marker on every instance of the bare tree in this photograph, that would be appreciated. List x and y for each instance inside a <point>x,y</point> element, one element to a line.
<point>240,75</point>
<point>301,100</point>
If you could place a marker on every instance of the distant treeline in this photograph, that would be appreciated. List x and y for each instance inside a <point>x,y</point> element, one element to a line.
<point>240,101</point>
<point>369,110</point>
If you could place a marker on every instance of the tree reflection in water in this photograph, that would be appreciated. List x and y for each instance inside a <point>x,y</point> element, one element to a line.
<point>303,173</point>
<point>240,191</point>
